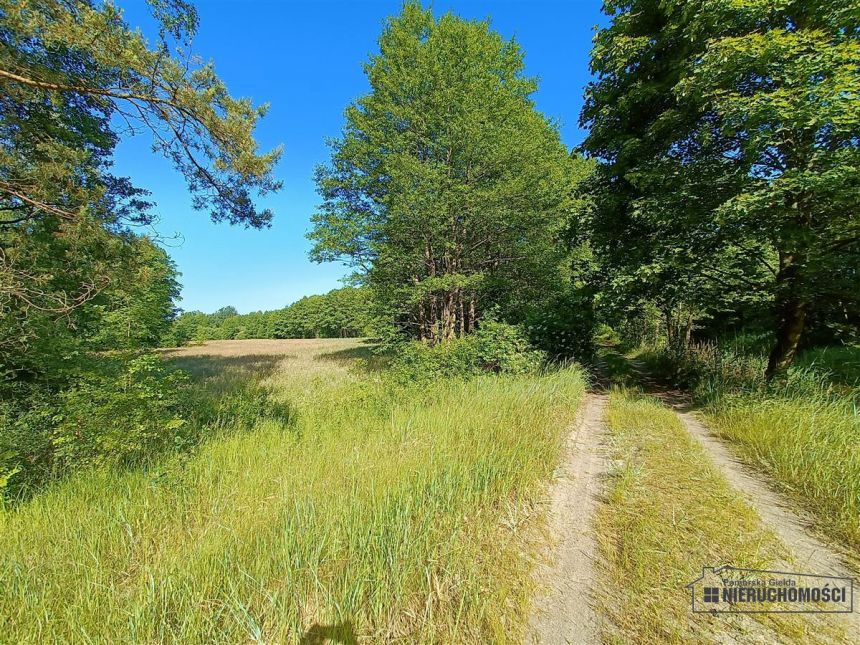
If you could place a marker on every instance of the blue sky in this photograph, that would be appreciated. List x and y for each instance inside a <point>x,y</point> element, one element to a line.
<point>305,57</point>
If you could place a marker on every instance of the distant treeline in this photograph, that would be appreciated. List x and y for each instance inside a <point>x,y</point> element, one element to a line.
<point>340,313</point>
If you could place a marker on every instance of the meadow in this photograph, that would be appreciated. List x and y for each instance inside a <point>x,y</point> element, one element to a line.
<point>365,509</point>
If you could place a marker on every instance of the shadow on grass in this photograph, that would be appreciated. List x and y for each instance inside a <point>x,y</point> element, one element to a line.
<point>841,365</point>
<point>319,634</point>
<point>257,366</point>
<point>363,356</point>
<point>615,369</point>
<point>231,392</point>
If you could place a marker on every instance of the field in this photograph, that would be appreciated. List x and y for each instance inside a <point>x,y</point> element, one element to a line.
<point>365,509</point>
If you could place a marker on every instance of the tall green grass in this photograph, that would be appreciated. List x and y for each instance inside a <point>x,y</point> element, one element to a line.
<point>668,512</point>
<point>810,445</point>
<point>804,431</point>
<point>377,512</point>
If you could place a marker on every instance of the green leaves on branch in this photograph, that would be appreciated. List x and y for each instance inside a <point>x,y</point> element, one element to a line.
<point>447,189</point>
<point>76,78</point>
<point>728,136</point>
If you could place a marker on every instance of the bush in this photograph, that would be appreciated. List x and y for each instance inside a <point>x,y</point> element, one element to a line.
<point>117,410</point>
<point>493,348</point>
<point>563,328</point>
<point>27,414</point>
<point>122,415</point>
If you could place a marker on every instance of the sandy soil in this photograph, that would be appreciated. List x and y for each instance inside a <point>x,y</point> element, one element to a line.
<point>562,611</point>
<point>779,514</point>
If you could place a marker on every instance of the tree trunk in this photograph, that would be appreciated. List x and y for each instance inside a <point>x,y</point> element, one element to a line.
<point>461,319</point>
<point>670,327</point>
<point>472,321</point>
<point>449,316</point>
<point>791,309</point>
<point>422,321</point>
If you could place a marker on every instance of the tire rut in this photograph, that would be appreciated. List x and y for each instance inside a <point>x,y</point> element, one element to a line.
<point>563,611</point>
<point>780,515</point>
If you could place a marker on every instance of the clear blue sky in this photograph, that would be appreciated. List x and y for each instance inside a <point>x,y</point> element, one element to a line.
<point>305,57</point>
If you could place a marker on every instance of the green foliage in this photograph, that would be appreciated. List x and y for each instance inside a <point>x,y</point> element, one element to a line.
<point>727,135</point>
<point>494,347</point>
<point>122,410</point>
<point>74,80</point>
<point>27,415</point>
<point>713,371</point>
<point>341,313</point>
<point>76,77</point>
<point>123,415</point>
<point>447,188</point>
<point>563,326</point>
<point>137,308</point>
<point>119,409</point>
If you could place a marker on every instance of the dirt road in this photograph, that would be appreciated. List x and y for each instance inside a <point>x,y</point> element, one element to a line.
<point>562,612</point>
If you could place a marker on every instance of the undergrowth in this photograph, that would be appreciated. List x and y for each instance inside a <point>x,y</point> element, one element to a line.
<point>121,409</point>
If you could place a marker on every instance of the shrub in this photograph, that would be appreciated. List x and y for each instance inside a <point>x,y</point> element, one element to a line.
<point>494,347</point>
<point>27,413</point>
<point>116,410</point>
<point>563,328</point>
<point>122,415</point>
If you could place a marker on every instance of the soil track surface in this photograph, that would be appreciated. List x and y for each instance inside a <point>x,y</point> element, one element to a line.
<point>563,612</point>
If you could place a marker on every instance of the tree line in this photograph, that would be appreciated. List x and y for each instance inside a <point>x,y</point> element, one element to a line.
<point>718,184</point>
<point>340,313</point>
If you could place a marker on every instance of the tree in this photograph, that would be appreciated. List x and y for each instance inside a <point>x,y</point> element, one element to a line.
<point>138,307</point>
<point>728,135</point>
<point>447,188</point>
<point>74,80</point>
<point>340,313</point>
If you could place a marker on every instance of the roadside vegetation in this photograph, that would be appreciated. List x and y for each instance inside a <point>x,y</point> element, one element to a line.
<point>668,512</point>
<point>804,431</point>
<point>378,509</point>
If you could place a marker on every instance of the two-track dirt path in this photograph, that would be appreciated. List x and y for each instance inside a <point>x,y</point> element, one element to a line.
<point>562,612</point>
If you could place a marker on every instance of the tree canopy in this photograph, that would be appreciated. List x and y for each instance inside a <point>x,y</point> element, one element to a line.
<point>728,136</point>
<point>340,313</point>
<point>448,188</point>
<point>74,80</point>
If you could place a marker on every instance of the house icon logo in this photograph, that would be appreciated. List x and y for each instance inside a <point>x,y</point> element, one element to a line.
<point>730,589</point>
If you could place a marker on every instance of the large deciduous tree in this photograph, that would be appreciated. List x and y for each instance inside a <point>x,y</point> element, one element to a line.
<point>728,133</point>
<point>447,187</point>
